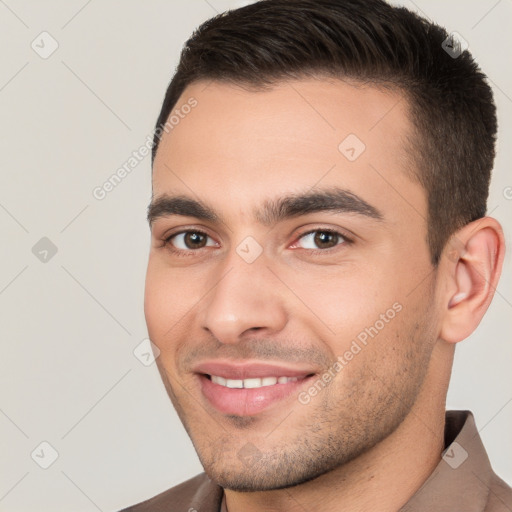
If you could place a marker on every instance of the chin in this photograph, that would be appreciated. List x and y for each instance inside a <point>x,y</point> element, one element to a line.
<point>265,476</point>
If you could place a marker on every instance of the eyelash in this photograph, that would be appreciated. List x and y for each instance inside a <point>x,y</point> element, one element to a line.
<point>191,252</point>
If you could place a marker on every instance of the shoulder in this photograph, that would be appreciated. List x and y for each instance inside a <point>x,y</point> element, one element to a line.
<point>500,496</point>
<point>199,494</point>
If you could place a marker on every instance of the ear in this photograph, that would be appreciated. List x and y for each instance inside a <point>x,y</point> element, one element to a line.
<point>473,259</point>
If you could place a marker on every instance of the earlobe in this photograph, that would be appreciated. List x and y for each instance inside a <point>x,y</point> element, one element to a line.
<point>472,277</point>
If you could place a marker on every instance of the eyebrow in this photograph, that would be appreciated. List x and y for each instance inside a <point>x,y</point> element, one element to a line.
<point>272,211</point>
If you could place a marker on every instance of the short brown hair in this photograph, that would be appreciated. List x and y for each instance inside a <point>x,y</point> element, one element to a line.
<point>450,102</point>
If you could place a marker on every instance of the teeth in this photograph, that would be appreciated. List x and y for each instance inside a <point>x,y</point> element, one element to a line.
<point>233,383</point>
<point>219,380</point>
<point>251,383</point>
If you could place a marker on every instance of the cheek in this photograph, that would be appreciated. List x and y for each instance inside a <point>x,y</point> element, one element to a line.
<point>155,296</point>
<point>162,313</point>
<point>347,300</point>
<point>164,302</point>
<point>171,297</point>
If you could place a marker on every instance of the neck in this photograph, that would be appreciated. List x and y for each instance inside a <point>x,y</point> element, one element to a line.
<point>384,478</point>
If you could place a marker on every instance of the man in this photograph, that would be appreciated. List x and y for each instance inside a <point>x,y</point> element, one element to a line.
<point>319,246</point>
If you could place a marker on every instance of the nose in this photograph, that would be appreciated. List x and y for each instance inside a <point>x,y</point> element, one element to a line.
<point>244,298</point>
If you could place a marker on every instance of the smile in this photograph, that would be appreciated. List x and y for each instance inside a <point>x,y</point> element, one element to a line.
<point>251,383</point>
<point>250,387</point>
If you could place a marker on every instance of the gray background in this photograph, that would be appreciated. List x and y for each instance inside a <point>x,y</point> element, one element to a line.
<point>69,325</point>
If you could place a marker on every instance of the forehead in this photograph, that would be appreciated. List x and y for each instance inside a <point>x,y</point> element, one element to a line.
<point>249,145</point>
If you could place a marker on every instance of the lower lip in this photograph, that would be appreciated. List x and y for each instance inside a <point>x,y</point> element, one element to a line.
<point>246,402</point>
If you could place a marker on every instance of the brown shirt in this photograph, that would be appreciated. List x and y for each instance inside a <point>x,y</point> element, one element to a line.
<point>462,482</point>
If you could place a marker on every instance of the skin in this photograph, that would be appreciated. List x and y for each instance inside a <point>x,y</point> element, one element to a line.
<point>352,443</point>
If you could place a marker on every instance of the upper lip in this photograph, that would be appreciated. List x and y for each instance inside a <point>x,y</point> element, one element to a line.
<point>247,369</point>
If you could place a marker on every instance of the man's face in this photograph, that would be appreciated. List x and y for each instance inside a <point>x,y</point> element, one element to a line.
<point>276,293</point>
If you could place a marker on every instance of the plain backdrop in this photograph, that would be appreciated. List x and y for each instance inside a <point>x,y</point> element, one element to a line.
<point>70,320</point>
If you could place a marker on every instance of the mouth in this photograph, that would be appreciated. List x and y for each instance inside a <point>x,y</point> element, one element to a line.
<point>251,383</point>
<point>248,389</point>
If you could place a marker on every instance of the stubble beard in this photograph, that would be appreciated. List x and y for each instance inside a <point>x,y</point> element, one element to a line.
<point>340,427</point>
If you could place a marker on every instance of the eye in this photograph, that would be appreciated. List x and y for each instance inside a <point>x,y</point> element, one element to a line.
<point>321,239</point>
<point>189,240</point>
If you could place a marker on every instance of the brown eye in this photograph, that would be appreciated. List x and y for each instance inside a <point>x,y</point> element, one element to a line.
<point>325,239</point>
<point>194,240</point>
<point>190,240</point>
<point>321,239</point>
